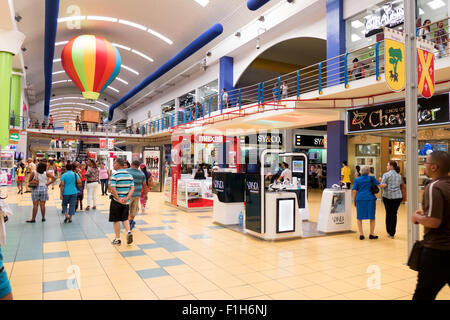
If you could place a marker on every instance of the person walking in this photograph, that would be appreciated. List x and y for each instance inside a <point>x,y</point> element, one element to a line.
<point>70,181</point>
<point>91,184</point>
<point>392,196</point>
<point>81,171</point>
<point>20,177</point>
<point>424,32</point>
<point>286,174</point>
<point>39,195</point>
<point>365,201</point>
<point>441,39</point>
<point>140,185</point>
<point>30,167</point>
<point>149,185</point>
<point>122,188</point>
<point>319,176</point>
<point>434,263</point>
<point>51,166</point>
<point>345,175</point>
<point>104,178</point>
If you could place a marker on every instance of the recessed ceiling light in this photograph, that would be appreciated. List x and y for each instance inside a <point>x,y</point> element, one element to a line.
<point>436,4</point>
<point>60,81</point>
<point>102,18</point>
<point>58,72</point>
<point>113,89</point>
<point>159,35</point>
<point>121,80</point>
<point>102,103</point>
<point>355,37</point>
<point>203,3</point>
<point>129,69</point>
<point>421,12</point>
<point>71,18</point>
<point>132,24</point>
<point>56,60</point>
<point>60,43</point>
<point>142,55</point>
<point>357,24</point>
<point>121,46</point>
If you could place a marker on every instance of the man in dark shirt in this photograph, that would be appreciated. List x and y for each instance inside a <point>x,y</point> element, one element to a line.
<point>434,265</point>
<point>441,39</point>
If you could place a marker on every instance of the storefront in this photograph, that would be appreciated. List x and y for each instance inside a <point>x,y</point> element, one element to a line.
<point>377,134</point>
<point>314,145</point>
<point>151,157</point>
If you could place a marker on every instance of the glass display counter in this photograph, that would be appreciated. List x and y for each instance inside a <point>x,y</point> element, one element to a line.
<point>195,193</point>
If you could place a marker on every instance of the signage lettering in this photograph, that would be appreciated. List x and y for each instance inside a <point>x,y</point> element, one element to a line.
<point>218,184</point>
<point>268,138</point>
<point>389,15</point>
<point>316,141</point>
<point>338,219</point>
<point>430,111</point>
<point>210,139</point>
<point>253,186</point>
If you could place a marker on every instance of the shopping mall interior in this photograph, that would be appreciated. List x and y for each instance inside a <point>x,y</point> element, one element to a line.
<point>236,120</point>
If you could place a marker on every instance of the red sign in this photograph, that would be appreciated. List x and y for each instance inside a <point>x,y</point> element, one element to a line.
<point>425,73</point>
<point>208,139</point>
<point>102,143</point>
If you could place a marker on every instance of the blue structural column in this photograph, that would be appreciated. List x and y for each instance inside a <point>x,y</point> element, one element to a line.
<point>335,39</point>
<point>226,75</point>
<point>336,151</point>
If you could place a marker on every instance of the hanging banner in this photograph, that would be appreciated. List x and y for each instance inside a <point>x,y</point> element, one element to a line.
<point>102,144</point>
<point>425,68</point>
<point>394,59</point>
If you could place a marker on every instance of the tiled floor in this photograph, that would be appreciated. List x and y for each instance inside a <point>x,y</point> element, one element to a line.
<point>178,255</point>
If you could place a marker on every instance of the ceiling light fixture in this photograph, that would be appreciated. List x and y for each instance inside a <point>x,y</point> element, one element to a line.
<point>132,24</point>
<point>60,81</point>
<point>121,80</point>
<point>203,3</point>
<point>106,105</point>
<point>58,72</point>
<point>436,4</point>
<point>357,24</point>
<point>129,69</point>
<point>159,35</point>
<point>71,18</point>
<point>355,37</point>
<point>56,60</point>
<point>102,18</point>
<point>113,89</point>
<point>142,55</point>
<point>60,43</point>
<point>121,46</point>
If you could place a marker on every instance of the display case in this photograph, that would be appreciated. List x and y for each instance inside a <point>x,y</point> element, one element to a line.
<point>167,188</point>
<point>7,167</point>
<point>152,159</point>
<point>195,193</point>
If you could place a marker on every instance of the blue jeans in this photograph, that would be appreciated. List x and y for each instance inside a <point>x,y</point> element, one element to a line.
<point>104,183</point>
<point>442,48</point>
<point>70,200</point>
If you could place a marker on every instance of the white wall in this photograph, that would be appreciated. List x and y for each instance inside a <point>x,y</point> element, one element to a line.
<point>196,80</point>
<point>352,7</point>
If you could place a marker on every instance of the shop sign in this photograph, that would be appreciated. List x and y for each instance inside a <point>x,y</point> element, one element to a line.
<point>110,144</point>
<point>208,139</point>
<point>253,186</point>
<point>431,111</point>
<point>389,15</point>
<point>265,138</point>
<point>14,136</point>
<point>394,59</point>
<point>310,141</point>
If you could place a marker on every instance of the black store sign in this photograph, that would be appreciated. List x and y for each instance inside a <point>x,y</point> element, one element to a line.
<point>265,138</point>
<point>309,141</point>
<point>389,15</point>
<point>431,111</point>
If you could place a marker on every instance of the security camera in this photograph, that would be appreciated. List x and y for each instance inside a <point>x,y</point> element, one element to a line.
<point>18,18</point>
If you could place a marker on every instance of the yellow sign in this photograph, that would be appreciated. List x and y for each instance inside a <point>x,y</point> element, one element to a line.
<point>394,62</point>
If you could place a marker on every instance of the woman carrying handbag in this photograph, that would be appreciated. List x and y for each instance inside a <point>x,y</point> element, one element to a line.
<point>39,182</point>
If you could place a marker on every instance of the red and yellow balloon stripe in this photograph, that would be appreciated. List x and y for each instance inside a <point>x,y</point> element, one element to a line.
<point>92,63</point>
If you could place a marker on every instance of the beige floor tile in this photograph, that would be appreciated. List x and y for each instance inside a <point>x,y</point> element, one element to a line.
<point>170,291</point>
<point>73,294</point>
<point>362,295</point>
<point>214,295</point>
<point>295,282</point>
<point>339,286</point>
<point>318,277</point>
<point>187,297</point>
<point>276,273</point>
<point>27,289</point>
<point>159,254</point>
<point>389,292</point>
<point>195,287</point>
<point>138,295</point>
<point>316,292</point>
<point>96,292</point>
<point>243,292</point>
<point>54,247</point>
<point>337,297</point>
<point>160,282</point>
<point>188,277</point>
<point>35,296</point>
<point>54,276</point>
<point>289,295</point>
<point>270,287</point>
<point>253,277</point>
<point>23,279</point>
<point>178,269</point>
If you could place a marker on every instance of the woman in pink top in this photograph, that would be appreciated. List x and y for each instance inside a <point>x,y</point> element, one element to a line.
<point>104,178</point>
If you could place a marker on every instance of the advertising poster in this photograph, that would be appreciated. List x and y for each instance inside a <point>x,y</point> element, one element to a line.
<point>152,160</point>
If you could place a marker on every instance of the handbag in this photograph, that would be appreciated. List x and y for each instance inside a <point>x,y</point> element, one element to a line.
<point>33,183</point>
<point>414,256</point>
<point>374,188</point>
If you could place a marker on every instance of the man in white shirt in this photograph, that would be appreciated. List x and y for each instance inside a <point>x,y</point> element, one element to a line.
<point>286,174</point>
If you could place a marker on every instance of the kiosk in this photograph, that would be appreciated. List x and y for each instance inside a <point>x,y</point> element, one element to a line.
<point>335,213</point>
<point>228,194</point>
<point>273,212</point>
<point>108,157</point>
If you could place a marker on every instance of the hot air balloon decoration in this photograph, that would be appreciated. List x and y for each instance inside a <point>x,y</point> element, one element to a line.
<point>92,63</point>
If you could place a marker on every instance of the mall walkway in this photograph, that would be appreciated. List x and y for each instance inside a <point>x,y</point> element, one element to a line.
<point>178,255</point>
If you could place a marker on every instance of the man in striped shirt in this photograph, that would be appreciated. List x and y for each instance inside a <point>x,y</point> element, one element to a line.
<point>122,188</point>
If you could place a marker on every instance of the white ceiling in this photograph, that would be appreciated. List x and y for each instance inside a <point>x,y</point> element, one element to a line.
<point>181,21</point>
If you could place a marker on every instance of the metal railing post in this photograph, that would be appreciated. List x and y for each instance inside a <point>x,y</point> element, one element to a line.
<point>203,110</point>
<point>196,110</point>
<point>262,91</point>
<point>240,101</point>
<point>320,78</point>
<point>221,102</point>
<point>259,93</point>
<point>346,70</point>
<point>278,90</point>
<point>377,61</point>
<point>298,84</point>
<point>209,107</point>
<point>184,116</point>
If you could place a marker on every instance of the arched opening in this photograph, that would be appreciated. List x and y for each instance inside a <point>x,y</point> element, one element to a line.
<point>282,58</point>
